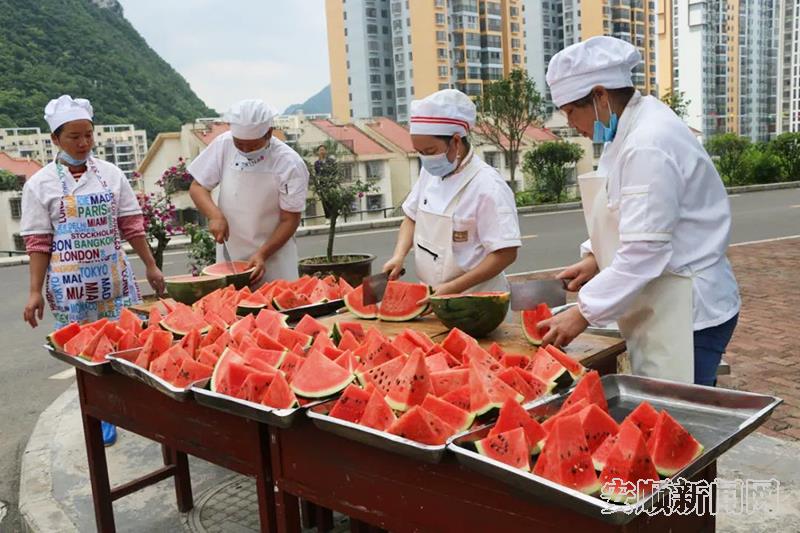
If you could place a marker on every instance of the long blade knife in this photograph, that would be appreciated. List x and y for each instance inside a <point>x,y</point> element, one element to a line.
<point>227,256</point>
<point>529,294</point>
<point>374,287</point>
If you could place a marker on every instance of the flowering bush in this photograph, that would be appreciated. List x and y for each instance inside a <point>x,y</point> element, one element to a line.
<point>159,222</point>
<point>175,178</point>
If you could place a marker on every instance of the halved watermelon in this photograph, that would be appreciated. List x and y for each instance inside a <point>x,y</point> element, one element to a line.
<point>421,426</point>
<point>279,395</point>
<point>351,404</point>
<point>565,458</point>
<point>513,415</point>
<point>239,278</point>
<point>400,301</point>
<point>377,413</point>
<point>454,416</point>
<point>62,336</point>
<point>530,323</point>
<point>628,462</point>
<point>671,446</point>
<point>510,447</point>
<point>411,385</point>
<point>320,377</point>
<point>355,304</point>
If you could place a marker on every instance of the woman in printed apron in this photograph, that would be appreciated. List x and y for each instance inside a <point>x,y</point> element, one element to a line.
<point>461,218</point>
<point>658,218</point>
<point>76,212</point>
<point>262,192</point>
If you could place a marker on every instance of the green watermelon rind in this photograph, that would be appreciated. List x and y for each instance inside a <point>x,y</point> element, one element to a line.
<point>189,289</point>
<point>354,308</point>
<point>476,315</point>
<point>240,280</point>
<point>322,393</point>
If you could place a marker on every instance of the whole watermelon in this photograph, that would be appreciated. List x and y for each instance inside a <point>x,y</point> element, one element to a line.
<point>476,314</point>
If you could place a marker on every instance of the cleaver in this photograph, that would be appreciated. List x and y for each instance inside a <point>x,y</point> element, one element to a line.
<point>375,287</point>
<point>529,294</point>
<point>227,256</point>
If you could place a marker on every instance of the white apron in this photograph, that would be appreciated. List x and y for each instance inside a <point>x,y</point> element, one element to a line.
<point>434,259</point>
<point>658,326</point>
<point>249,200</point>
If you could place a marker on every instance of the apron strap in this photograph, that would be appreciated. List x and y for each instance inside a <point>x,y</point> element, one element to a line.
<point>468,177</point>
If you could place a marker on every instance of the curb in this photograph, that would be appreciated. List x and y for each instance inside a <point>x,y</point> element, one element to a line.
<point>763,187</point>
<point>40,512</point>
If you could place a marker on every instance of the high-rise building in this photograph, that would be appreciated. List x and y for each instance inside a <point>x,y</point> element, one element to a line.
<point>723,55</point>
<point>788,104</point>
<point>385,53</point>
<point>544,26</point>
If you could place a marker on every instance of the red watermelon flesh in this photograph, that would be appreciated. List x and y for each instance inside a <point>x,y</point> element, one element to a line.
<point>516,382</point>
<point>355,328</point>
<point>261,366</point>
<point>247,343</point>
<point>459,397</point>
<point>437,363</point>
<point>273,358</point>
<point>292,339</point>
<point>157,343</point>
<point>242,328</point>
<point>308,325</point>
<point>165,367</point>
<point>565,410</point>
<point>420,338</point>
<point>496,351</point>
<point>449,380</point>
<point>154,318</point>
<point>411,385</point>
<point>454,416</point>
<point>510,447</point>
<point>103,348</point>
<point>255,386</point>
<point>351,404</point>
<point>270,321</point>
<point>229,373</point>
<point>377,413</point>
<point>113,332</point>
<point>208,355</point>
<point>291,364</point>
<point>545,367</point>
<point>576,370</point>
<point>76,344</point>
<point>628,461</point>
<point>324,344</point>
<point>513,359</point>
<point>480,357</point>
<point>530,323</point>
<point>129,321</point>
<point>320,377</point>
<point>344,287</point>
<point>645,417</point>
<point>355,304</point>
<point>224,340</point>
<point>487,391</point>
<point>347,360</point>
<point>597,426</point>
<point>382,375</point>
<point>268,343</point>
<point>128,342</point>
<point>400,301</point>
<point>600,455</point>
<point>565,458</point>
<point>334,353</point>
<point>591,388</point>
<point>279,395</point>
<point>191,372</point>
<point>191,342</point>
<point>183,320</point>
<point>671,446</point>
<point>91,346</point>
<point>376,352</point>
<point>457,342</point>
<point>421,426</point>
<point>404,344</point>
<point>288,299</point>
<point>62,336</point>
<point>214,320</point>
<point>513,415</point>
<point>212,335</point>
<point>540,388</point>
<point>348,341</point>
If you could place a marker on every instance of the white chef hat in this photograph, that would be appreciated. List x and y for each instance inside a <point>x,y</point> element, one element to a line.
<point>577,69</point>
<point>66,109</point>
<point>445,112</point>
<point>250,119</point>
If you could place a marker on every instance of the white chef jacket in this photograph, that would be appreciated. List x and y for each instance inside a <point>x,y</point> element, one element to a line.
<point>41,196</point>
<point>674,215</point>
<point>486,210</point>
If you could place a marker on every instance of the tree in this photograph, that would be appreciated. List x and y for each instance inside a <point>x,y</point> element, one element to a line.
<point>727,150</point>
<point>549,166</point>
<point>677,101</point>
<point>787,147</point>
<point>9,181</point>
<point>505,110</point>
<point>760,165</point>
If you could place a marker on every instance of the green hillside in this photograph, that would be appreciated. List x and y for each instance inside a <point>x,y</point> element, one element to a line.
<point>77,47</point>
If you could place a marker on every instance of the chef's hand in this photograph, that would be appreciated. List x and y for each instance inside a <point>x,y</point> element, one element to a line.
<point>256,261</point>
<point>579,273</point>
<point>219,229</point>
<point>33,309</point>
<point>156,279</point>
<point>393,267</point>
<point>563,327</point>
<point>444,288</point>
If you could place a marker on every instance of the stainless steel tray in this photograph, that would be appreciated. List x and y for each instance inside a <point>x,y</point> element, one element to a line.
<point>282,418</point>
<point>612,330</point>
<point>373,437</point>
<point>127,368</point>
<point>94,368</point>
<point>718,418</point>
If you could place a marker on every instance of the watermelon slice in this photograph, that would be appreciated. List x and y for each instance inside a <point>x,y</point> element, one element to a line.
<point>255,385</point>
<point>157,343</point>
<point>348,342</point>
<point>437,363</point>
<point>308,325</point>
<point>76,344</point>
<point>487,392</point>
<point>399,302</point>
<point>128,342</point>
<point>129,321</point>
<point>455,417</point>
<point>242,328</point>
<point>510,447</point>
<point>273,358</point>
<point>459,397</point>
<point>376,352</point>
<point>514,359</point>
<point>645,417</point>
<point>382,375</point>
<point>103,348</point>
<point>279,395</point>
<point>270,321</point>
<point>600,455</point>
<point>565,410</point>
<point>565,458</point>
<point>377,413</point>
<point>530,323</point>
<point>628,461</point>
<point>449,380</point>
<point>513,415</point>
<point>421,426</point>
<point>209,355</point>
<point>355,304</point>
<point>183,320</point>
<point>671,446</point>
<point>590,388</point>
<point>230,373</point>
<point>597,426</point>
<point>320,377</point>
<point>575,369</point>
<point>292,339</point>
<point>289,299</point>
<point>351,404</point>
<point>411,385</point>
<point>191,372</point>
<point>496,351</point>
<point>340,328</point>
<point>519,384</point>
<point>191,342</point>
<point>62,336</point>
<point>545,367</point>
<point>457,342</point>
<point>404,344</point>
<point>347,360</point>
<point>291,364</point>
<point>540,388</point>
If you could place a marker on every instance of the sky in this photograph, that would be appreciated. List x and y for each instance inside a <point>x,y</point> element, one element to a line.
<point>229,50</point>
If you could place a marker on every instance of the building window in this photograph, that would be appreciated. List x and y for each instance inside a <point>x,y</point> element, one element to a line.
<point>374,202</point>
<point>442,71</point>
<point>377,111</point>
<point>375,95</point>
<point>311,208</point>
<point>492,159</point>
<point>19,242</point>
<point>597,150</point>
<point>372,29</point>
<point>16,207</point>
<point>441,53</point>
<point>374,170</point>
<point>439,18</point>
<point>441,36</point>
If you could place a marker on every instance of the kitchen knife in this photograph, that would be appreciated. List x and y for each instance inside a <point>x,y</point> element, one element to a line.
<point>529,294</point>
<point>374,287</point>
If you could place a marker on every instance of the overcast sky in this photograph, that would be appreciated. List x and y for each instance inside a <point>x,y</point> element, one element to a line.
<point>228,50</point>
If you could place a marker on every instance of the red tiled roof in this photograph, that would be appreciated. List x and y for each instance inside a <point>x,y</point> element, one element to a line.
<point>19,167</point>
<point>392,132</point>
<point>208,135</point>
<point>540,134</point>
<point>351,137</point>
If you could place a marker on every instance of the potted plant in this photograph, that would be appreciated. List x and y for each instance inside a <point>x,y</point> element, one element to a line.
<point>159,215</point>
<point>338,196</point>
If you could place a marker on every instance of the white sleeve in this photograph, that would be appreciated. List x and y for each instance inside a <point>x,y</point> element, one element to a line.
<point>586,248</point>
<point>497,221</point>
<point>206,168</point>
<point>294,188</point>
<point>128,202</point>
<point>608,295</point>
<point>412,200</point>
<point>35,218</point>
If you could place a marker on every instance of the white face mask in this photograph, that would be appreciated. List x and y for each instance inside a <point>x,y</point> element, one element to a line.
<point>255,154</point>
<point>438,164</point>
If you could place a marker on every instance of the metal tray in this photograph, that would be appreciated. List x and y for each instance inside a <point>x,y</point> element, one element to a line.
<point>373,437</point>
<point>315,310</point>
<point>282,418</point>
<point>94,368</point>
<point>612,330</point>
<point>127,368</point>
<point>718,418</point>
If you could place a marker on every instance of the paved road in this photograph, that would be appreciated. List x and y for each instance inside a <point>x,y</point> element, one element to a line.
<point>550,240</point>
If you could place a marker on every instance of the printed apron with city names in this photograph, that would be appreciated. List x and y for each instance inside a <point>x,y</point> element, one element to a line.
<point>89,276</point>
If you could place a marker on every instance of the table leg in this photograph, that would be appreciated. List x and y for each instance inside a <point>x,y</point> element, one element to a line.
<point>98,474</point>
<point>183,480</point>
<point>307,514</point>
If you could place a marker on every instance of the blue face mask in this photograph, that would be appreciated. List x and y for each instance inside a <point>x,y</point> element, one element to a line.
<point>603,133</point>
<point>71,161</point>
<point>438,164</point>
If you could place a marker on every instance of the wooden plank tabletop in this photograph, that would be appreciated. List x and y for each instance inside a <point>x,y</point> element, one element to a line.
<point>428,324</point>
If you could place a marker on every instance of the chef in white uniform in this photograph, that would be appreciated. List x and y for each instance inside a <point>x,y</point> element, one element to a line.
<point>262,192</point>
<point>658,219</point>
<point>460,217</point>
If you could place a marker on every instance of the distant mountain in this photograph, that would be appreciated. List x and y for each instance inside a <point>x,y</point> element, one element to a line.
<point>319,103</point>
<point>86,48</point>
